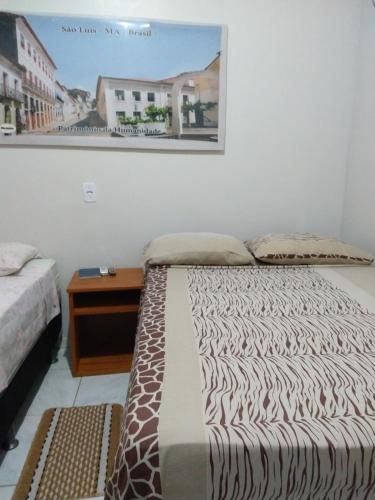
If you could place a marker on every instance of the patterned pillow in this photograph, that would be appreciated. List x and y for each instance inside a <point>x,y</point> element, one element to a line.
<point>202,249</point>
<point>305,248</point>
<point>13,256</point>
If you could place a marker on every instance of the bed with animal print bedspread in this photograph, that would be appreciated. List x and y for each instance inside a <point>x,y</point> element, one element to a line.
<point>251,383</point>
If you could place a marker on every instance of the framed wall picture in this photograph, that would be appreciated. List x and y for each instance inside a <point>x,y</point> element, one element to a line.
<point>118,83</point>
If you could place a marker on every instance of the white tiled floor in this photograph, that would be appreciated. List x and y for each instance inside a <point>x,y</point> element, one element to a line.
<point>59,388</point>
<point>6,492</point>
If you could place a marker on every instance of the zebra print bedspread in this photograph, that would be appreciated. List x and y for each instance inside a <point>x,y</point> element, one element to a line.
<point>286,361</point>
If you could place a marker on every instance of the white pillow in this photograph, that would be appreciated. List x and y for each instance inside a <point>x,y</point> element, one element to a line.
<point>208,249</point>
<point>13,256</point>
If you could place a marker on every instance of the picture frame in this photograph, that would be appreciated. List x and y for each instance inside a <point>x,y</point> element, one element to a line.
<point>111,82</point>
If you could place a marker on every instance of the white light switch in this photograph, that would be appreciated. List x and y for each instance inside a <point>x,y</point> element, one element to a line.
<point>89,192</point>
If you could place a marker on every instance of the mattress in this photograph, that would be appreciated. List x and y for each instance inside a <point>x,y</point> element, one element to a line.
<point>251,383</point>
<point>29,300</point>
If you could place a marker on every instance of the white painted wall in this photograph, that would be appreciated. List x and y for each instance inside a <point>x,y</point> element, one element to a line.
<point>291,74</point>
<point>358,224</point>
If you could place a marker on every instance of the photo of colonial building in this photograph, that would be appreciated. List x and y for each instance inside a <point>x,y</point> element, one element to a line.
<point>121,98</point>
<point>190,98</point>
<point>20,44</point>
<point>11,96</point>
<point>30,97</point>
<point>69,105</point>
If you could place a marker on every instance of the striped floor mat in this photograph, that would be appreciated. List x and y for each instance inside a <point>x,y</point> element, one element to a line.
<point>72,453</point>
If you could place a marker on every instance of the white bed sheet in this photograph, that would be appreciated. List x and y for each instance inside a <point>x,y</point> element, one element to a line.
<point>29,300</point>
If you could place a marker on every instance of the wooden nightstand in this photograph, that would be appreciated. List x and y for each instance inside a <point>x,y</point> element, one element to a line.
<point>103,321</point>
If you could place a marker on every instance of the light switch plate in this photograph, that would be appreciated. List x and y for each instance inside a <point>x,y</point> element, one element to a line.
<point>89,192</point>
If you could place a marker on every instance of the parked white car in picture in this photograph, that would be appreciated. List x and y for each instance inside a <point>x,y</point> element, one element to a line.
<point>7,129</point>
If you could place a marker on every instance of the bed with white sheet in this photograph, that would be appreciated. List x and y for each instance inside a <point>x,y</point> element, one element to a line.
<point>29,303</point>
<point>29,300</point>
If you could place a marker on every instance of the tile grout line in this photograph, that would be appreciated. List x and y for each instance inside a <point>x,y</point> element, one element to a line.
<point>79,385</point>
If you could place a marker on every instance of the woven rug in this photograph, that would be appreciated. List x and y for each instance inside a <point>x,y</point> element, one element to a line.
<point>72,453</point>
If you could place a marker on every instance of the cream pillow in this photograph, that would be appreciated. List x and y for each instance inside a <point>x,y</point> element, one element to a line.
<point>305,248</point>
<point>197,249</point>
<point>13,256</point>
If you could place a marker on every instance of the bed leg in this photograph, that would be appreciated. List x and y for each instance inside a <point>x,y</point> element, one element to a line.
<point>54,356</point>
<point>11,444</point>
<point>11,441</point>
